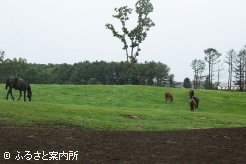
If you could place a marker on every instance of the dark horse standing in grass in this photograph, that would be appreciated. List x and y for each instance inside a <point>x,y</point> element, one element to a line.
<point>168,97</point>
<point>18,84</point>
<point>196,100</point>
<point>191,93</point>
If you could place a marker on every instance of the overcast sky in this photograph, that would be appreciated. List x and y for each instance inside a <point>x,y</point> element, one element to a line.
<point>69,31</point>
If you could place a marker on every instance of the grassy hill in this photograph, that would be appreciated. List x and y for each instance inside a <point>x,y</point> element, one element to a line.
<point>139,108</point>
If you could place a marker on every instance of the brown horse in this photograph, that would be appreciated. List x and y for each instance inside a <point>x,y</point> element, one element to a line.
<point>192,104</point>
<point>168,97</point>
<point>18,84</point>
<point>191,93</point>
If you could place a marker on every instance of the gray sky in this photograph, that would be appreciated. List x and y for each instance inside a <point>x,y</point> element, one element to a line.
<point>69,31</point>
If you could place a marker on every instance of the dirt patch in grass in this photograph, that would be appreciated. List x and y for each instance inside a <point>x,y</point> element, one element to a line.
<point>193,146</point>
<point>133,117</point>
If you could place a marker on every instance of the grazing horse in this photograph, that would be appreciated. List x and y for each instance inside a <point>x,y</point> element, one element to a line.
<point>191,93</point>
<point>18,84</point>
<point>168,97</point>
<point>197,100</point>
<point>192,105</point>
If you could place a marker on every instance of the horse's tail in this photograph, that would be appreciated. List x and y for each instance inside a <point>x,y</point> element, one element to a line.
<point>7,83</point>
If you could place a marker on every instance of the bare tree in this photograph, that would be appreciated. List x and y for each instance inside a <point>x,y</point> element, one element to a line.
<point>212,58</point>
<point>230,57</point>
<point>198,67</point>
<point>219,74</point>
<point>244,62</point>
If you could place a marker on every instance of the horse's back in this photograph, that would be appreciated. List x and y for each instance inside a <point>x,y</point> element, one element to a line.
<point>168,94</point>
<point>196,98</point>
<point>11,81</point>
<point>16,83</point>
<point>22,85</point>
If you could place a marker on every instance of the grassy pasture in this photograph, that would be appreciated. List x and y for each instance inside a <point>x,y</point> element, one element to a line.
<point>131,108</point>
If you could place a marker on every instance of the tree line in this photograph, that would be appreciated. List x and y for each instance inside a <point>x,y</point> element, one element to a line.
<point>236,68</point>
<point>128,72</point>
<point>86,72</point>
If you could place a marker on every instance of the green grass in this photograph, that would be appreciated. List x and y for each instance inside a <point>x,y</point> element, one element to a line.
<point>107,107</point>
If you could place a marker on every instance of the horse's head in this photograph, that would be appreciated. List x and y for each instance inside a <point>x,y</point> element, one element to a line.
<point>29,95</point>
<point>29,92</point>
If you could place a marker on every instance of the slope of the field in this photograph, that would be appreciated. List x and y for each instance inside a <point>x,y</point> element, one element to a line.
<point>118,108</point>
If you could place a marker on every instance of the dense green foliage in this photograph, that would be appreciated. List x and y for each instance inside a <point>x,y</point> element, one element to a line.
<point>240,69</point>
<point>114,107</point>
<point>98,72</point>
<point>187,83</point>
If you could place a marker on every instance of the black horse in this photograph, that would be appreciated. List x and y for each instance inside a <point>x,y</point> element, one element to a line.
<point>196,100</point>
<point>191,93</point>
<point>18,84</point>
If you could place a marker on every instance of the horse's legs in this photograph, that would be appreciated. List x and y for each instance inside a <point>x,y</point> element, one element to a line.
<point>24,95</point>
<point>7,97</point>
<point>192,107</point>
<point>20,95</point>
<point>10,92</point>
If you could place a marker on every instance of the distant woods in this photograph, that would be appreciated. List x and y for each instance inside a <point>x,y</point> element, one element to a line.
<point>236,69</point>
<point>98,72</point>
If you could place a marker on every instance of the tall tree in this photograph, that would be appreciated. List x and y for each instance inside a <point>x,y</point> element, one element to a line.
<point>212,58</point>
<point>171,80</point>
<point>239,68</point>
<point>219,73</point>
<point>198,67</point>
<point>244,63</point>
<point>2,54</point>
<point>132,39</point>
<point>231,54</point>
<point>206,83</point>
